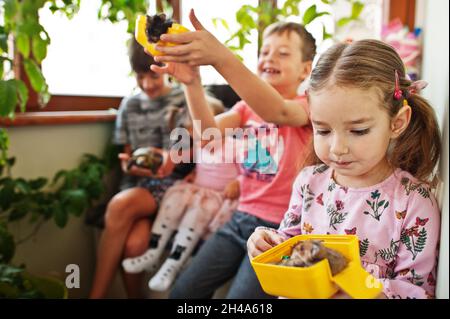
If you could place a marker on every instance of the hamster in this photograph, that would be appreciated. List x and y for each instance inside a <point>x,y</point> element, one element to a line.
<point>307,253</point>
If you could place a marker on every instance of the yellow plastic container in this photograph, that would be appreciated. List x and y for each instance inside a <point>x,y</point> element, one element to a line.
<point>316,281</point>
<point>141,37</point>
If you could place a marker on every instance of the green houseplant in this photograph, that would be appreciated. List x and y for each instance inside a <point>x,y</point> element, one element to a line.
<point>250,18</point>
<point>70,192</point>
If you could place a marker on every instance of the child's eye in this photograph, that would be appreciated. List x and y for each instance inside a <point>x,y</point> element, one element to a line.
<point>322,132</point>
<point>284,53</point>
<point>360,132</point>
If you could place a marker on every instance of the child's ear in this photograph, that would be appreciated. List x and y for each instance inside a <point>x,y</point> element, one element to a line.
<point>305,70</point>
<point>400,121</point>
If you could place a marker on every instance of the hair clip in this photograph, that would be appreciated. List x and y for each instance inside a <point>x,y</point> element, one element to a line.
<point>398,94</point>
<point>417,86</point>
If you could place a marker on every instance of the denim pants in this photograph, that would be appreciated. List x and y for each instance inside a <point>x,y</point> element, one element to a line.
<point>220,258</point>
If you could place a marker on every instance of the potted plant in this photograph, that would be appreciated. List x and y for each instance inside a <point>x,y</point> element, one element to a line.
<point>70,192</point>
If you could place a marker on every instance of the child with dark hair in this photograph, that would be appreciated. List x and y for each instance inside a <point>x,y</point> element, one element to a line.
<point>143,120</point>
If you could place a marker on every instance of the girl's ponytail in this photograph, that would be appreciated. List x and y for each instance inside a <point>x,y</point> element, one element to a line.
<point>418,148</point>
<point>368,64</point>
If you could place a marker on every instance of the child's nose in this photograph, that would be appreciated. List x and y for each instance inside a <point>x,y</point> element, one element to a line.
<point>270,56</point>
<point>339,146</point>
<point>147,84</point>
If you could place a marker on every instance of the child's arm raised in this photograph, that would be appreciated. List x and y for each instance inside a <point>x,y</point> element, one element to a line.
<point>202,48</point>
<point>198,106</point>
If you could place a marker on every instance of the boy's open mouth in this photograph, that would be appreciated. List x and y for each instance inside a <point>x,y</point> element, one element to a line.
<point>271,71</point>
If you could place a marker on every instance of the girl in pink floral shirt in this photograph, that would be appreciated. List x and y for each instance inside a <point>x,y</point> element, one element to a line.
<point>376,143</point>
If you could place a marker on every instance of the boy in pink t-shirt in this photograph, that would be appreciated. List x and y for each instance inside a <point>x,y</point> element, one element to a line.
<point>275,126</point>
<point>266,168</point>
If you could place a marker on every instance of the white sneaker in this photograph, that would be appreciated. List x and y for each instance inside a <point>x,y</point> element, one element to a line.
<point>145,262</point>
<point>165,276</point>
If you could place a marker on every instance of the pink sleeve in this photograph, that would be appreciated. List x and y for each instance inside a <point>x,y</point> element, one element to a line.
<point>415,271</point>
<point>290,225</point>
<point>242,109</point>
<point>304,103</point>
<point>305,130</point>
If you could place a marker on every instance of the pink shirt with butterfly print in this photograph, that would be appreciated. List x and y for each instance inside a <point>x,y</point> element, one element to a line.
<point>397,222</point>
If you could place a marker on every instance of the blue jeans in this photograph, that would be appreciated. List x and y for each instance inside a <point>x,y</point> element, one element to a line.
<point>219,259</point>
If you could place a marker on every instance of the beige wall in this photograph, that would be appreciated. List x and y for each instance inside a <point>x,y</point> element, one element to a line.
<point>42,151</point>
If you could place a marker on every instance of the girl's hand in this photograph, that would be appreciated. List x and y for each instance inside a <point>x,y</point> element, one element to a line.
<point>165,169</point>
<point>262,240</point>
<point>195,48</point>
<point>232,190</point>
<point>183,72</point>
<point>133,170</point>
<point>124,158</point>
<point>167,166</point>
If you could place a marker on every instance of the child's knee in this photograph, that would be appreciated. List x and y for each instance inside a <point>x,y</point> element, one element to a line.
<point>135,247</point>
<point>118,212</point>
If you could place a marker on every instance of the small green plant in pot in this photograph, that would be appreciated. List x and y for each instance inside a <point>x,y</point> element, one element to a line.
<point>39,200</point>
<point>70,192</point>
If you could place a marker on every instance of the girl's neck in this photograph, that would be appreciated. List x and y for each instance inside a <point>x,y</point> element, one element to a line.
<point>376,175</point>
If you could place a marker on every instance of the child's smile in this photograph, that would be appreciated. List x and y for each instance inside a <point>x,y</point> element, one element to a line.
<point>280,62</point>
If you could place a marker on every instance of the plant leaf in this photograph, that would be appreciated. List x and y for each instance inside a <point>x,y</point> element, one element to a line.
<point>23,186</point>
<point>310,14</point>
<point>22,92</point>
<point>357,9</point>
<point>39,48</point>
<point>75,201</point>
<point>325,34</point>
<point>18,212</point>
<point>343,21</point>
<point>38,183</point>
<point>3,40</point>
<point>59,215</point>
<point>8,97</point>
<point>23,44</point>
<point>34,73</point>
<point>10,7</point>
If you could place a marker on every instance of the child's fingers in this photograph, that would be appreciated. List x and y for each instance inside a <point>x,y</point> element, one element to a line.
<point>159,69</point>
<point>179,38</point>
<point>195,22</point>
<point>252,250</point>
<point>174,50</point>
<point>274,238</point>
<point>140,171</point>
<point>260,243</point>
<point>172,58</point>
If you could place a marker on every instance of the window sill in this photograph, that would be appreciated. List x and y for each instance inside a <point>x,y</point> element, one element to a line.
<point>60,118</point>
